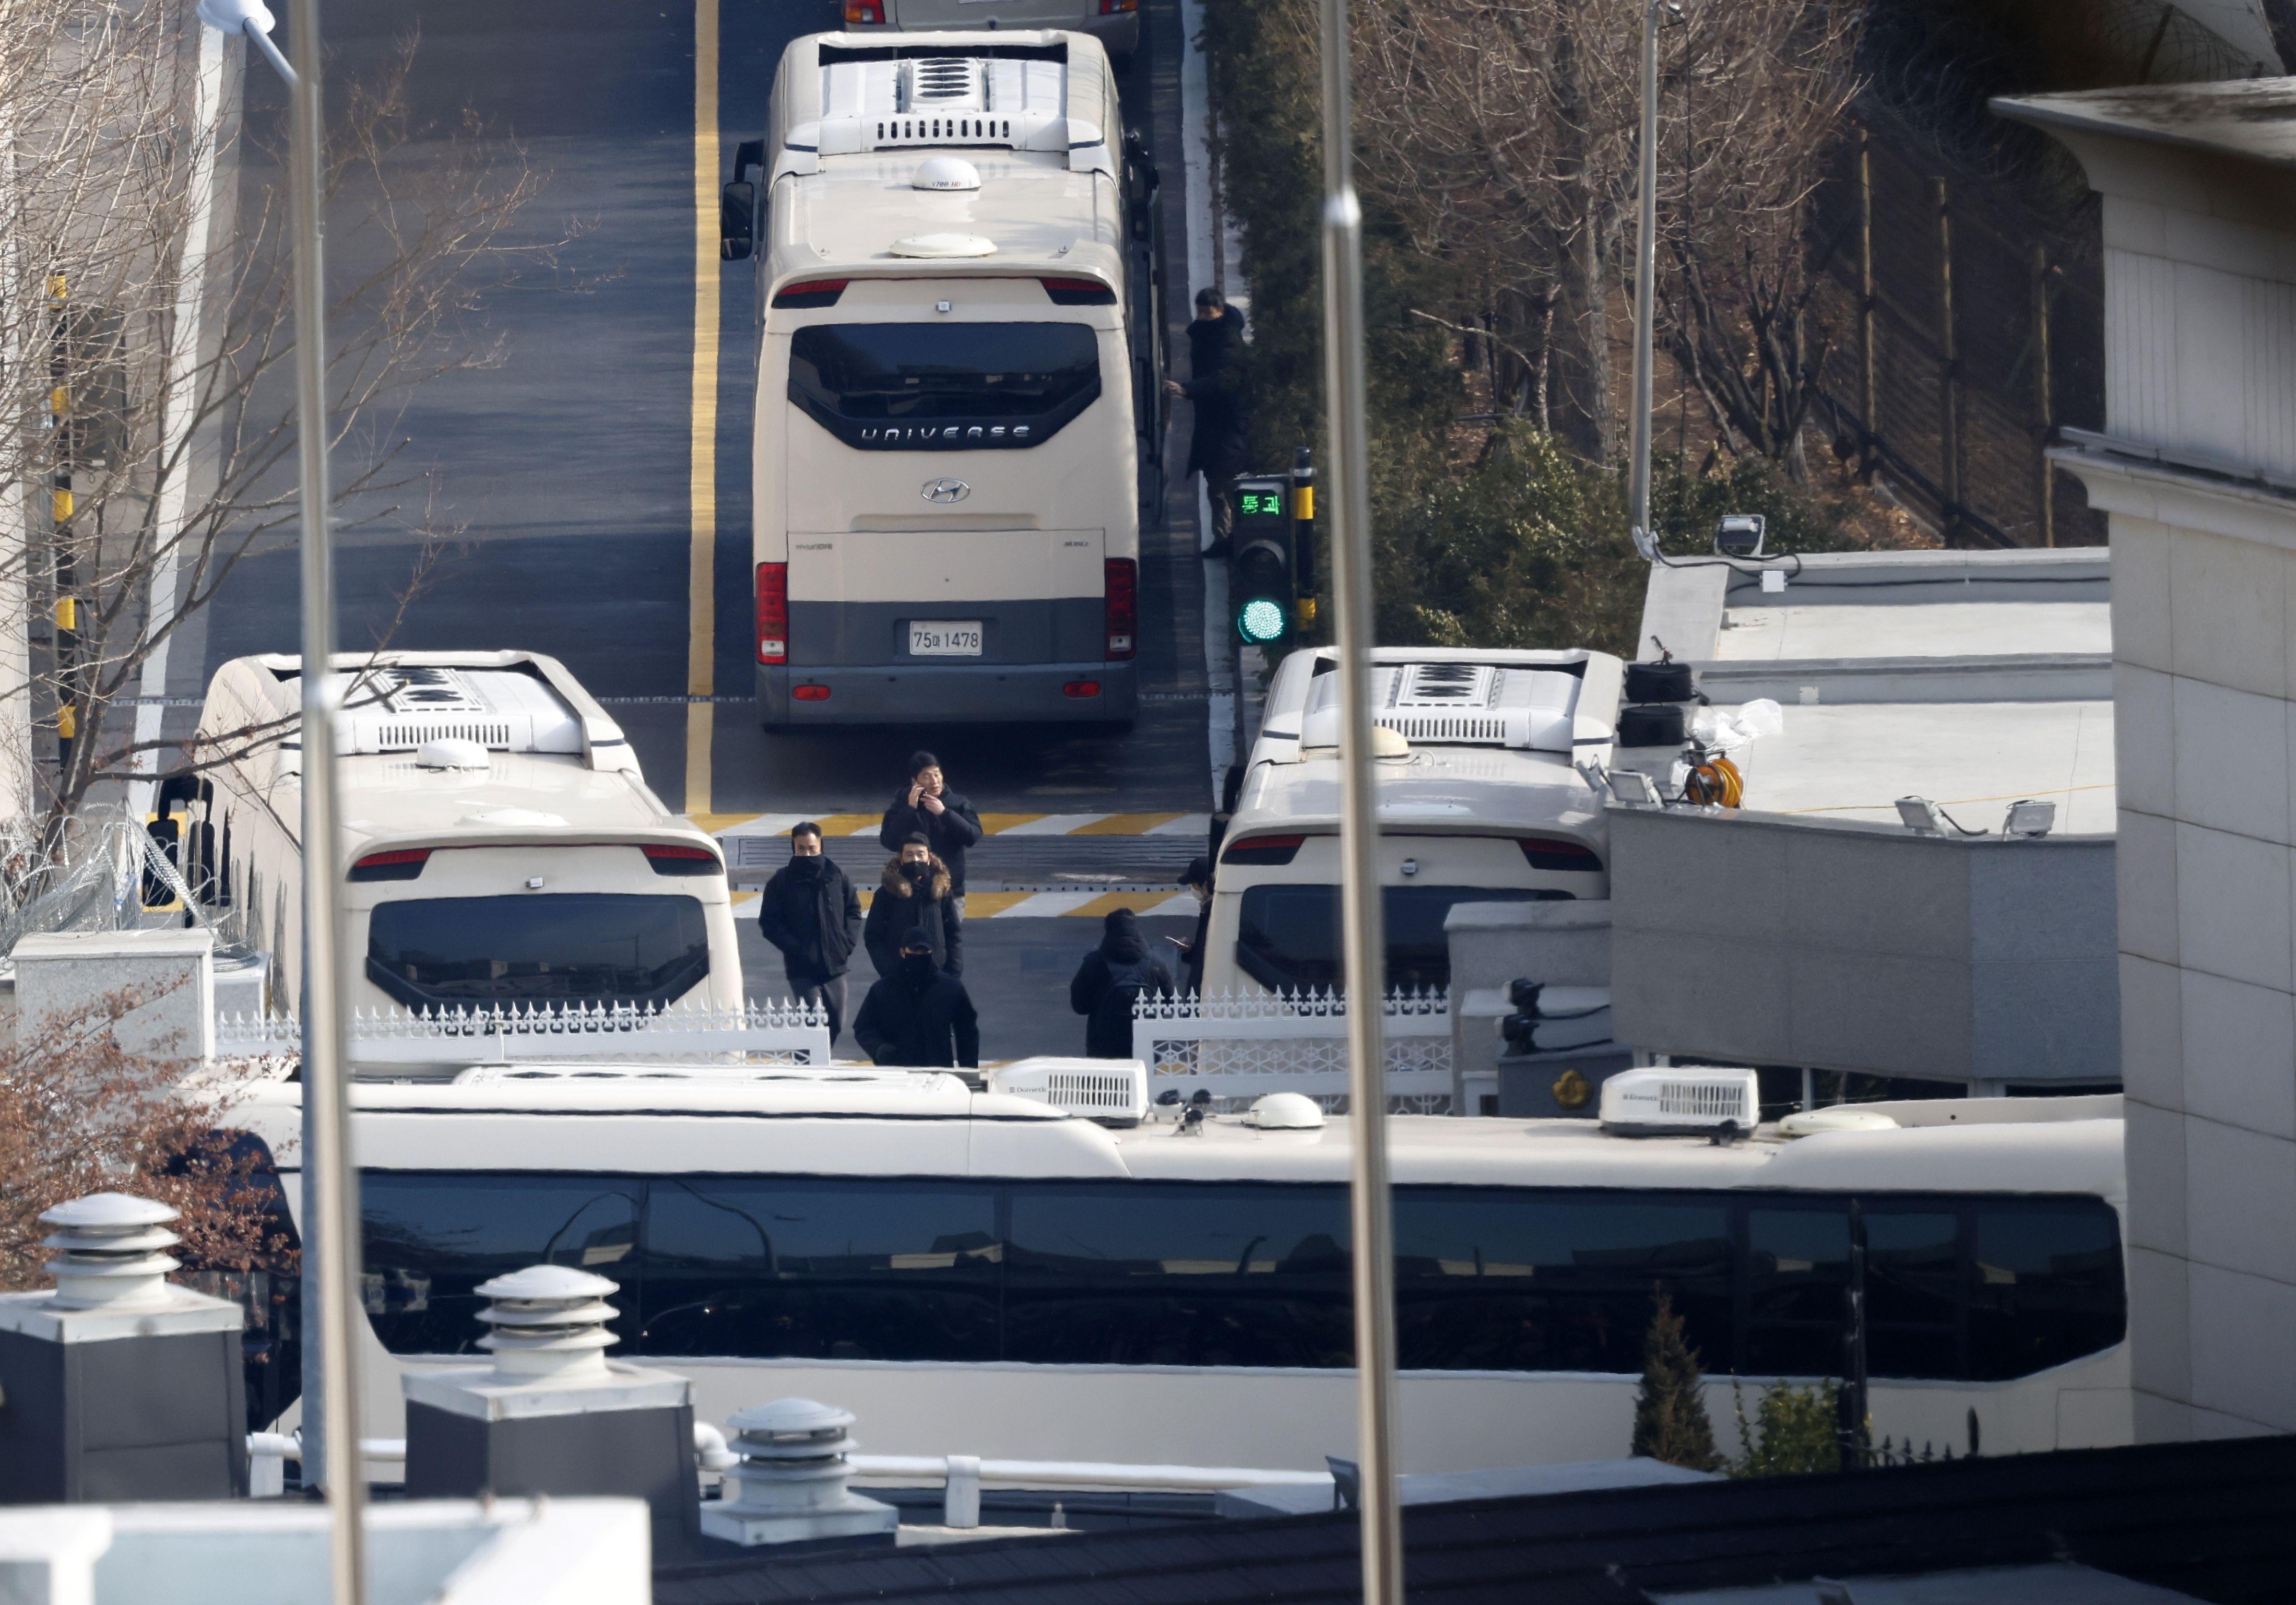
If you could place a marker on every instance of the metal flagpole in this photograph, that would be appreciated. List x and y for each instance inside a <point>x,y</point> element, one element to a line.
<point>1359,891</point>
<point>331,1186</point>
<point>1645,294</point>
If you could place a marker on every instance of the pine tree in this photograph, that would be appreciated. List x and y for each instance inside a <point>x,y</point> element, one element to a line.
<point>1671,1420</point>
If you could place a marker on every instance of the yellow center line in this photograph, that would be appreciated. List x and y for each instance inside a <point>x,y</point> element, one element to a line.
<point>701,492</point>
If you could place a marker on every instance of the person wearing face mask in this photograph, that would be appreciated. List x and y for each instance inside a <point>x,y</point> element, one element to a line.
<point>926,807</point>
<point>915,897</point>
<point>811,912</point>
<point>1111,978</point>
<point>916,1014</point>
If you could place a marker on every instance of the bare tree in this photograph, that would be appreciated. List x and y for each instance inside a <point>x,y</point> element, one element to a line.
<point>1503,133</point>
<point>146,358</point>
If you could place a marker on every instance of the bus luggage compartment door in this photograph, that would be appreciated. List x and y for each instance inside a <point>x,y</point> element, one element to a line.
<point>970,625</point>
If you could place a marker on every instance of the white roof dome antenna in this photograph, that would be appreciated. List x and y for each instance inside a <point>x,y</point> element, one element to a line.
<point>944,245</point>
<point>944,173</point>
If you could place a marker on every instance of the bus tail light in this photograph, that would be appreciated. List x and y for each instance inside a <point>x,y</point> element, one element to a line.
<point>1081,688</point>
<point>811,293</point>
<point>1108,8</point>
<point>772,612</point>
<point>404,863</point>
<point>810,693</point>
<point>1123,595</point>
<point>682,861</point>
<point>1556,853</point>
<point>1079,292</point>
<point>871,12</point>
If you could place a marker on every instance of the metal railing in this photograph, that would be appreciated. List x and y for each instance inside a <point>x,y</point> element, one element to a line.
<point>785,1033</point>
<point>1238,1047</point>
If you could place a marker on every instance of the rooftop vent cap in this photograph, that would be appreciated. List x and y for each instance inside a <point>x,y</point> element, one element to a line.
<point>945,173</point>
<point>1681,1102</point>
<point>1810,1122</point>
<point>789,1485</point>
<point>451,752</point>
<point>1286,1111</point>
<point>944,248</point>
<point>548,1322</point>
<point>110,1252</point>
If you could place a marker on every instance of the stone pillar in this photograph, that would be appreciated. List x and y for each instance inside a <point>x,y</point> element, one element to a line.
<point>116,1384</point>
<point>553,1414</point>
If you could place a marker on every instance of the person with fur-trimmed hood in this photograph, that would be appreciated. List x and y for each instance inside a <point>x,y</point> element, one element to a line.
<point>914,895</point>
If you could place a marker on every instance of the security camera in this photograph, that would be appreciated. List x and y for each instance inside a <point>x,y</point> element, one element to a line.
<point>1739,535</point>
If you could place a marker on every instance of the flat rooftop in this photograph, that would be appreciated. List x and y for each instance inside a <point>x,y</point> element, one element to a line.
<point>1975,679</point>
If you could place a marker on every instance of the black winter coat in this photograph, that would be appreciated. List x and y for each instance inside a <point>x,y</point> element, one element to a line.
<point>1109,980</point>
<point>906,1024</point>
<point>946,833</point>
<point>1217,447</point>
<point>900,907</point>
<point>815,920</point>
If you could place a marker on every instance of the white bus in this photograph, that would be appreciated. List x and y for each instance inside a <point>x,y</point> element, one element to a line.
<point>1115,23</point>
<point>975,1274</point>
<point>502,848</point>
<point>951,344</point>
<point>1479,800</point>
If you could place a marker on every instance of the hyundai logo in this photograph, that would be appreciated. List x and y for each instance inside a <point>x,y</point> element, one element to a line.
<point>945,490</point>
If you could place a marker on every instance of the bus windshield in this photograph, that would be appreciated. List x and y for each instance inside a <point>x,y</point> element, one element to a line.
<point>569,947</point>
<point>963,385</point>
<point>1288,936</point>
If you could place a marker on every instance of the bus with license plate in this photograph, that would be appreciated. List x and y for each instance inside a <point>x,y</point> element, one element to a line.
<point>954,354</point>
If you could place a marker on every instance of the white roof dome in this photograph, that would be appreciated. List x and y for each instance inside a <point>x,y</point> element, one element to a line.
<point>944,245</point>
<point>945,173</point>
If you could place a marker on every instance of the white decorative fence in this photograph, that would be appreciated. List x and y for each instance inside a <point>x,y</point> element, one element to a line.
<point>1241,1047</point>
<point>785,1033</point>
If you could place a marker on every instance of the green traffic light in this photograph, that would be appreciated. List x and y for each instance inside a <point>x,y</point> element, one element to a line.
<point>1260,620</point>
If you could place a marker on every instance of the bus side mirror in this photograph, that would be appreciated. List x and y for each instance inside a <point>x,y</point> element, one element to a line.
<point>737,212</point>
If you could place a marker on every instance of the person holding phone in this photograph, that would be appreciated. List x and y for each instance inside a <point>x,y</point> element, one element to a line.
<point>926,807</point>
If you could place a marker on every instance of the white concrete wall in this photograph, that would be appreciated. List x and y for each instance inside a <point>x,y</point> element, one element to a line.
<point>2201,359</point>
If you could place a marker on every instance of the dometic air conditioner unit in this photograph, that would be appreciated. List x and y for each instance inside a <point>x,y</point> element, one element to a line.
<point>1112,1091</point>
<point>1681,1102</point>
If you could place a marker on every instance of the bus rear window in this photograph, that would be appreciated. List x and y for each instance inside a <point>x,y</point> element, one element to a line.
<point>944,387</point>
<point>568,947</point>
<point>1288,936</point>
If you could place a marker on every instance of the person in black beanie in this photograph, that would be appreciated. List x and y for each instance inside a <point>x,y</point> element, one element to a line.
<point>926,807</point>
<point>811,912</point>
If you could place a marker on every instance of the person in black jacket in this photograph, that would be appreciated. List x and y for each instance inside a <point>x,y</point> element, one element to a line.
<point>1198,878</point>
<point>915,1014</point>
<point>1217,445</point>
<point>926,807</point>
<point>914,896</point>
<point>812,914</point>
<point>1109,980</point>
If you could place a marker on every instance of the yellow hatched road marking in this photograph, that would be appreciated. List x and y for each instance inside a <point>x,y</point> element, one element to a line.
<point>1107,903</point>
<point>1125,824</point>
<point>849,825</point>
<point>701,489</point>
<point>991,823</point>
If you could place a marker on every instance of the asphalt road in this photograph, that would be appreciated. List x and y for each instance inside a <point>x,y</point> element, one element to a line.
<point>558,471</point>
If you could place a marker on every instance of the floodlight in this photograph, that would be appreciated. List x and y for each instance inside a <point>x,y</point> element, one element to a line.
<point>1921,817</point>
<point>2028,817</point>
<point>1739,535</point>
<point>1633,787</point>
